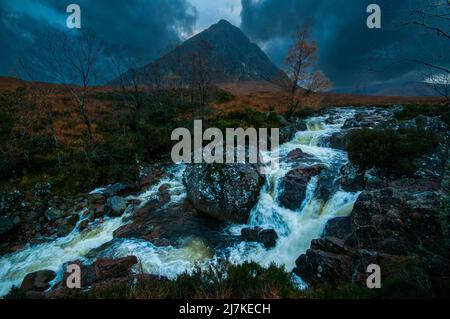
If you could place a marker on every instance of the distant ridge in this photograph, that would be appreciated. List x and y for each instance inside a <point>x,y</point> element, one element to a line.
<point>420,89</point>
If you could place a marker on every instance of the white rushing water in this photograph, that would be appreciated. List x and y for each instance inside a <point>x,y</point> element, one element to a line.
<point>295,228</point>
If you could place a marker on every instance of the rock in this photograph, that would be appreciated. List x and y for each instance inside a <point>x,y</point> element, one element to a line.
<point>318,267</point>
<point>293,185</point>
<point>97,198</point>
<point>352,180</point>
<point>6,225</point>
<point>164,225</point>
<point>338,140</point>
<point>37,281</point>
<point>295,154</point>
<point>288,132</point>
<point>53,214</point>
<point>83,224</point>
<point>224,191</point>
<point>114,268</point>
<point>42,189</point>
<point>267,237</point>
<point>115,206</point>
<point>339,227</point>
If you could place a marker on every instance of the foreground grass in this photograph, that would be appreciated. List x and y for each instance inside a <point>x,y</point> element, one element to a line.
<point>405,279</point>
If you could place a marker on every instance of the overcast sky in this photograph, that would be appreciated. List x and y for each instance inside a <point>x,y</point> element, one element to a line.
<point>350,53</point>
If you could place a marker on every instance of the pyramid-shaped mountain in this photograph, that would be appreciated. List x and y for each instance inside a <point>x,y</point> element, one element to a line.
<point>223,50</point>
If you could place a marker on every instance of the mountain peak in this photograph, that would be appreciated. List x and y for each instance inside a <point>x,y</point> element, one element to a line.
<point>232,57</point>
<point>224,22</point>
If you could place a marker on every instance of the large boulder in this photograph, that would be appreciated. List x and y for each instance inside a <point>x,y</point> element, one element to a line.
<point>294,184</point>
<point>224,191</point>
<point>37,281</point>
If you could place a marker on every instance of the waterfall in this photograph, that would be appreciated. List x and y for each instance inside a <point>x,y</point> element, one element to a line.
<point>295,228</point>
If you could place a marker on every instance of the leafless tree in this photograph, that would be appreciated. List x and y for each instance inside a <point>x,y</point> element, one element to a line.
<point>200,76</point>
<point>301,65</point>
<point>433,17</point>
<point>72,59</point>
<point>40,94</point>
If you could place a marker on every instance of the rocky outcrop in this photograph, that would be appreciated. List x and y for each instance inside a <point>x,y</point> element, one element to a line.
<point>224,191</point>
<point>102,270</point>
<point>267,237</point>
<point>384,223</point>
<point>294,184</point>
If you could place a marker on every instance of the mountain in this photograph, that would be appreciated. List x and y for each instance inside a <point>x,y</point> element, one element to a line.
<point>223,49</point>
<point>392,89</point>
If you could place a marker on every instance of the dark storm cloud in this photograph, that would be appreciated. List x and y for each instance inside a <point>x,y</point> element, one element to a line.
<point>138,28</point>
<point>350,53</point>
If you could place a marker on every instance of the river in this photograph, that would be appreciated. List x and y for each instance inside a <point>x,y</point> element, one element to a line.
<point>295,228</point>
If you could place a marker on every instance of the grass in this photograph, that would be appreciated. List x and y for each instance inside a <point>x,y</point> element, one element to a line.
<point>402,279</point>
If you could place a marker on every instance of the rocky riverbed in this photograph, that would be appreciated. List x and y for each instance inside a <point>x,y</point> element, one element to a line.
<point>315,214</point>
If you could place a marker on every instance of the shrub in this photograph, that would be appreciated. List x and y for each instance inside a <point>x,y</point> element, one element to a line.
<point>393,152</point>
<point>411,111</point>
<point>223,96</point>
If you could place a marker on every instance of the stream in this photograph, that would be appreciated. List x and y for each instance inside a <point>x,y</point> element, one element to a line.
<point>295,228</point>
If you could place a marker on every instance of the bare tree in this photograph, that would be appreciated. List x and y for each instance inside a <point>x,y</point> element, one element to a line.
<point>301,63</point>
<point>41,96</point>
<point>433,17</point>
<point>440,83</point>
<point>200,76</point>
<point>72,59</point>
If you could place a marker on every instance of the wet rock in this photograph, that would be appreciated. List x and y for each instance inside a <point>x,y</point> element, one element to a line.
<point>115,206</point>
<point>83,224</point>
<point>224,191</point>
<point>294,185</point>
<point>54,214</point>
<point>373,118</point>
<point>114,268</point>
<point>352,179</point>
<point>339,227</point>
<point>287,133</point>
<point>37,281</point>
<point>338,140</point>
<point>6,225</point>
<point>267,237</point>
<point>97,198</point>
<point>318,267</point>
<point>165,225</point>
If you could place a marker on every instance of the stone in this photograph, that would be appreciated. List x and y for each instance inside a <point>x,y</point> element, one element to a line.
<point>37,281</point>
<point>115,206</point>
<point>294,184</point>
<point>224,191</point>
<point>267,237</point>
